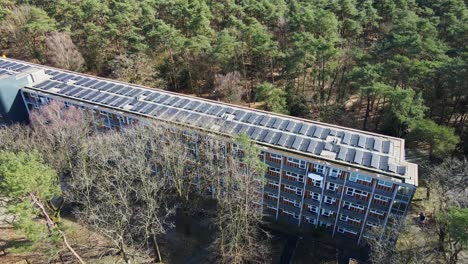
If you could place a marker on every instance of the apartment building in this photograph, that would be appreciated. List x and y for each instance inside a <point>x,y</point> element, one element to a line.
<point>319,175</point>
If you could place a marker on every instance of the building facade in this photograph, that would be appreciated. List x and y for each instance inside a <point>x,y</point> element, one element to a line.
<point>319,175</point>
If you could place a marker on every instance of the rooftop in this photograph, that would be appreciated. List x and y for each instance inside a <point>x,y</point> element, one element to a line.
<point>373,152</point>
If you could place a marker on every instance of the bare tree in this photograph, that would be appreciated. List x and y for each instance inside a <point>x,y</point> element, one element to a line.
<point>62,52</point>
<point>229,87</point>
<point>135,68</point>
<point>239,210</point>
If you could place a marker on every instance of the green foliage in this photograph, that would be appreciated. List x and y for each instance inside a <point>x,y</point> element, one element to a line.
<point>250,152</point>
<point>457,221</point>
<point>440,139</point>
<point>274,98</point>
<point>24,175</point>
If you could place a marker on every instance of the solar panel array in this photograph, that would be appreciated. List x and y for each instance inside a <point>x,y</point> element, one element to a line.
<point>349,146</point>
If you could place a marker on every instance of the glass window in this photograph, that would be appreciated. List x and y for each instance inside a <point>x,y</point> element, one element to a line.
<point>385,183</point>
<point>275,156</point>
<point>335,172</point>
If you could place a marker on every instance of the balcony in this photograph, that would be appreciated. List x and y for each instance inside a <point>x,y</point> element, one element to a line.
<point>273,164</point>
<point>335,180</point>
<point>311,201</point>
<point>291,196</point>
<point>313,188</point>
<point>379,206</point>
<point>383,192</point>
<point>333,194</point>
<point>355,214</point>
<point>292,183</point>
<point>359,186</point>
<point>290,208</point>
<point>290,168</point>
<point>374,219</point>
<point>270,202</point>
<point>272,177</point>
<point>348,226</point>
<point>355,200</point>
<point>330,207</point>
<point>288,219</point>
<point>306,212</point>
<point>328,220</point>
<point>271,190</point>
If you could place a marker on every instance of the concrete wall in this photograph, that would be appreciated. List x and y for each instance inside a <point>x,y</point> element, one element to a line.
<point>12,106</point>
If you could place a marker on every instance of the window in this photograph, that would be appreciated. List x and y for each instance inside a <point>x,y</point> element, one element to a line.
<point>294,189</point>
<point>274,170</point>
<point>346,218</point>
<point>300,163</point>
<point>372,224</point>
<point>349,205</point>
<point>291,214</point>
<point>326,212</point>
<point>272,195</point>
<point>310,220</point>
<point>381,198</point>
<point>352,192</point>
<point>275,156</point>
<point>67,104</point>
<point>386,184</point>
<point>294,202</point>
<point>335,172</point>
<point>317,183</point>
<point>271,207</point>
<point>329,200</point>
<point>344,230</point>
<point>299,178</point>
<point>340,230</point>
<point>319,168</point>
<point>312,208</point>
<point>355,177</point>
<point>332,186</point>
<point>274,183</point>
<point>377,212</point>
<point>314,196</point>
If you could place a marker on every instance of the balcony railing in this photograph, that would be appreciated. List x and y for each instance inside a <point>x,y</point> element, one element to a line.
<point>359,186</point>
<point>297,184</point>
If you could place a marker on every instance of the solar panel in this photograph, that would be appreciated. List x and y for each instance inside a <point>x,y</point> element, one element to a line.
<point>342,153</point>
<point>375,160</point>
<point>193,117</point>
<point>312,146</point>
<point>378,144</point>
<point>304,144</point>
<point>362,141</point>
<point>304,129</point>
<point>319,148</point>
<point>297,142</point>
<point>283,125</point>
<point>73,92</point>
<point>115,88</point>
<point>107,86</point>
<point>366,159</point>
<point>252,118</point>
<point>318,132</point>
<point>83,80</point>
<point>151,108</point>
<point>99,97</point>
<point>328,146</point>
<point>358,156</point>
<point>89,83</point>
<point>98,85</point>
<point>370,143</point>
<point>386,146</point>
<point>311,131</point>
<point>354,140</point>
<point>84,93</point>
<point>265,121</point>
<point>91,95</point>
<point>124,90</point>
<point>350,155</point>
<point>277,123</point>
<point>203,108</point>
<point>245,117</point>
<point>239,114</point>
<point>383,163</point>
<point>282,140</point>
<point>392,167</point>
<point>401,170</point>
<point>135,92</point>
<point>346,138</point>
<point>67,89</point>
<point>25,67</point>
<point>255,133</point>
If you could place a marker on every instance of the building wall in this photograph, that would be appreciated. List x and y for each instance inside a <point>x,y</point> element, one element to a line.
<point>301,191</point>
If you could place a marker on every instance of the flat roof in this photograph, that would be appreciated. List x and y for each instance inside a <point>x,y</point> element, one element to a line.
<point>356,148</point>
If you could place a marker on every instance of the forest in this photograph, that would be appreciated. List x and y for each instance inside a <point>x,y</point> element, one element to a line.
<point>397,67</point>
